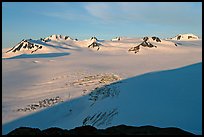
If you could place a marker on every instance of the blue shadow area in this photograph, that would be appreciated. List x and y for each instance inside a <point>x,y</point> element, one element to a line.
<point>46,44</point>
<point>163,98</point>
<point>47,55</point>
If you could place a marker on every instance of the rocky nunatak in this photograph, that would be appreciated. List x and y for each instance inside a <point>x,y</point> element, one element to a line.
<point>25,44</point>
<point>90,130</point>
<point>41,104</point>
<point>95,44</point>
<point>145,43</point>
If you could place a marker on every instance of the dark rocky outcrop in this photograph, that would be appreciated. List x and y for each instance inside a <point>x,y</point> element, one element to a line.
<point>25,44</point>
<point>42,104</point>
<point>19,47</point>
<point>185,37</point>
<point>90,130</point>
<point>156,38</point>
<point>45,40</point>
<point>66,37</point>
<point>136,49</point>
<point>94,38</point>
<point>94,44</point>
<point>55,131</point>
<point>83,130</point>
<point>145,43</point>
<point>55,37</point>
<point>144,130</point>
<point>179,37</point>
<point>116,39</point>
<point>26,131</point>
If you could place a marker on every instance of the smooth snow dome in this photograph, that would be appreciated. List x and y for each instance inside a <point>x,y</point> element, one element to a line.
<point>66,83</point>
<point>185,37</point>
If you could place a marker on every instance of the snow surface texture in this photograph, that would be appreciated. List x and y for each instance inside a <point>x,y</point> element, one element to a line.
<point>157,99</point>
<point>104,87</point>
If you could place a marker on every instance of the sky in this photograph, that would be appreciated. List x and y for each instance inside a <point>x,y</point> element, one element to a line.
<point>105,20</point>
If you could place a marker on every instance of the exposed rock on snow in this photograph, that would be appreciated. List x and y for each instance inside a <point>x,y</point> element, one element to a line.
<point>68,38</point>
<point>136,100</point>
<point>95,44</point>
<point>145,43</point>
<point>25,45</point>
<point>185,37</point>
<point>56,37</point>
<point>99,79</point>
<point>104,92</point>
<point>63,44</point>
<point>99,84</point>
<point>156,38</point>
<point>116,39</point>
<point>94,39</point>
<point>109,78</point>
<point>43,103</point>
<point>52,45</point>
<point>136,49</point>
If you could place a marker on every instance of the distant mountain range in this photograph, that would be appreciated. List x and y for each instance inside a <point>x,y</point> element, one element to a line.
<point>62,44</point>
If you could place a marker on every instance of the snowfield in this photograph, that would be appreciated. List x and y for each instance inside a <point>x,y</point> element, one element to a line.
<point>66,84</point>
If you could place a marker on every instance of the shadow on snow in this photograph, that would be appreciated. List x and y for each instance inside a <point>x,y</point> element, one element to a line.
<point>45,55</point>
<point>163,98</point>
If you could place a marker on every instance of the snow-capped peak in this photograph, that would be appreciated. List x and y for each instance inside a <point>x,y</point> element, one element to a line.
<point>187,36</point>
<point>25,45</point>
<point>56,37</point>
<point>93,39</point>
<point>116,39</point>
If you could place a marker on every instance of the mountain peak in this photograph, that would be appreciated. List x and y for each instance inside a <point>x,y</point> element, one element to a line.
<point>187,36</point>
<point>26,44</point>
<point>56,37</point>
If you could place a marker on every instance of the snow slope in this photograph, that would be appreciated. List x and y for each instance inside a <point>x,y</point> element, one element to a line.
<point>171,98</point>
<point>60,67</point>
<point>54,44</point>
